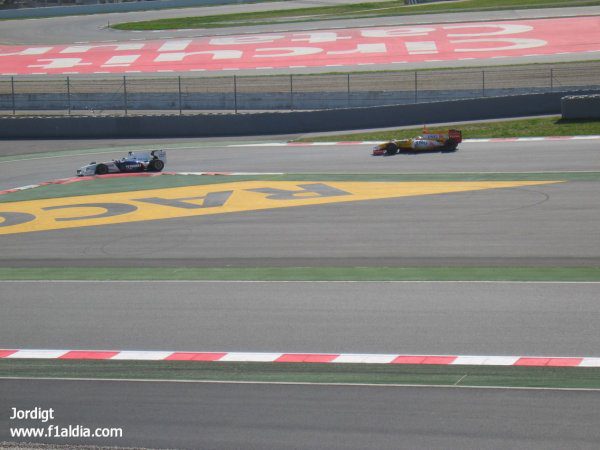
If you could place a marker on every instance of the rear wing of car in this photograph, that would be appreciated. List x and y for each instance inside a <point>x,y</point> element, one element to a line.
<point>442,136</point>
<point>455,135</point>
<point>159,154</point>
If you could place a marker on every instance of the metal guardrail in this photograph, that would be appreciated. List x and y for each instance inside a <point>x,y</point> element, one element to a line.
<point>285,92</point>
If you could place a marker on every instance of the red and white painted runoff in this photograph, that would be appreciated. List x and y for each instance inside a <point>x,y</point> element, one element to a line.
<point>333,358</point>
<point>323,48</point>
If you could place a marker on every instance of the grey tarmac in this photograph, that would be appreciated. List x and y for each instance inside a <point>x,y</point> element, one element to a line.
<point>249,416</point>
<point>219,156</point>
<point>554,223</point>
<point>439,318</point>
<point>547,225</point>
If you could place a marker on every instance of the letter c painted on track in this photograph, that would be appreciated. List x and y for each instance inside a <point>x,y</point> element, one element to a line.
<point>111,209</point>
<point>15,218</point>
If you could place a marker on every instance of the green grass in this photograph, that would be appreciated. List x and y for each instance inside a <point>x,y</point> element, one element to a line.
<point>359,10</point>
<point>539,127</point>
<point>571,274</point>
<point>549,377</point>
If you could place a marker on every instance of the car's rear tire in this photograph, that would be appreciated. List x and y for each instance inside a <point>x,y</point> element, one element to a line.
<point>101,169</point>
<point>450,146</point>
<point>391,149</point>
<point>156,165</point>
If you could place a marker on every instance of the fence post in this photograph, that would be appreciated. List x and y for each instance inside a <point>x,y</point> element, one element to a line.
<point>12,88</point>
<point>551,79</point>
<point>348,88</point>
<point>483,83</point>
<point>69,94</point>
<point>291,92</point>
<point>179,86</point>
<point>125,94</point>
<point>416,87</point>
<point>235,109</point>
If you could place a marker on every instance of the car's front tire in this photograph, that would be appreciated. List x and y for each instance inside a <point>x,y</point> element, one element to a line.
<point>391,149</point>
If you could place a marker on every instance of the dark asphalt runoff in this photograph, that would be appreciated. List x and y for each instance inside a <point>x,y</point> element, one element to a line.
<point>252,416</point>
<point>449,318</point>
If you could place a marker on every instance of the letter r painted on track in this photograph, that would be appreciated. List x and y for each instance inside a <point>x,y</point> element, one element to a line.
<point>308,191</point>
<point>211,200</point>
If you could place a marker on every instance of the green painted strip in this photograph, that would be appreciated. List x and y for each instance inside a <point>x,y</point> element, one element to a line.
<point>572,274</point>
<point>109,185</point>
<point>548,377</point>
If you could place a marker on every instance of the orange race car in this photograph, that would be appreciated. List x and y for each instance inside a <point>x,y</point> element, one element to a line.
<point>446,141</point>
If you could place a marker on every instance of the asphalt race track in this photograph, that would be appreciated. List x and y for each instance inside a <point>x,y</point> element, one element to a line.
<point>206,156</point>
<point>553,224</point>
<point>545,225</point>
<point>440,318</point>
<point>250,416</point>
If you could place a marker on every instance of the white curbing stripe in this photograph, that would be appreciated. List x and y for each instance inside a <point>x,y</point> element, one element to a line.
<point>590,362</point>
<point>141,355</point>
<point>37,354</point>
<point>500,361</point>
<point>365,359</point>
<point>250,357</point>
<point>328,358</point>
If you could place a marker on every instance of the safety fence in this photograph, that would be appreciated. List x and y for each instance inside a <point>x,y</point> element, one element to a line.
<point>124,94</point>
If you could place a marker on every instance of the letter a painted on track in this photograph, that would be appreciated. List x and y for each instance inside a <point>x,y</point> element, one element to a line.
<point>318,190</point>
<point>211,200</point>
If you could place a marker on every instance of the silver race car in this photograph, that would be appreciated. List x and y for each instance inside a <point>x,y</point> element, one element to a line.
<point>153,161</point>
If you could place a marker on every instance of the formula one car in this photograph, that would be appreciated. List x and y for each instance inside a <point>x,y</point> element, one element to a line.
<point>153,161</point>
<point>428,142</point>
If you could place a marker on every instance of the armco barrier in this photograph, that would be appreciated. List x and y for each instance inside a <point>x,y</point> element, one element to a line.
<point>580,107</point>
<point>57,11</point>
<point>281,122</point>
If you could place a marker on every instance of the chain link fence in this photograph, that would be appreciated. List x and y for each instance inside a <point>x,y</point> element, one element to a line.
<point>189,94</point>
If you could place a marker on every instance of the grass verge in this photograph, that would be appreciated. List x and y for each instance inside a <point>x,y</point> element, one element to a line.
<point>548,377</point>
<point>538,127</point>
<point>342,11</point>
<point>564,274</point>
<point>109,185</point>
